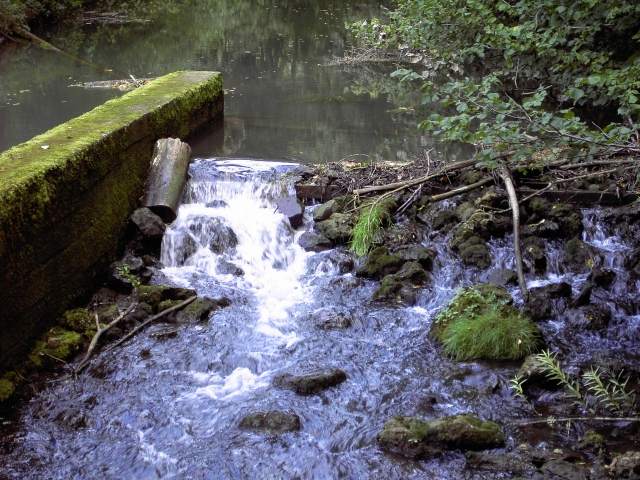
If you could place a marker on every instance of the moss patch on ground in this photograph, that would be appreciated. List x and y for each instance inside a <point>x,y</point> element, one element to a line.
<point>56,346</point>
<point>481,323</point>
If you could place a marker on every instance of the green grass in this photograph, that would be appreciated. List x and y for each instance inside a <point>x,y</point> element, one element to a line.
<point>372,219</point>
<point>499,333</point>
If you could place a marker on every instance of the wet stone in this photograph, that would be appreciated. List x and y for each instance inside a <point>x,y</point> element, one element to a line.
<point>580,257</point>
<point>337,228</point>
<point>227,268</point>
<point>379,263</point>
<point>314,242</point>
<point>273,421</point>
<point>416,253</point>
<point>310,383</point>
<point>291,208</point>
<point>503,277</point>
<point>331,319</point>
<point>416,438</point>
<point>148,224</point>
<point>602,277</point>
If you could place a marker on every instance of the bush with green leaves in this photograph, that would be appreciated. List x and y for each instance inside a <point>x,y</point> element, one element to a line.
<point>523,76</point>
<point>480,323</point>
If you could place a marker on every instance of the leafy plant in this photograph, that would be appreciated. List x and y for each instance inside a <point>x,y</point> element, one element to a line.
<point>517,385</point>
<point>524,76</point>
<point>553,370</point>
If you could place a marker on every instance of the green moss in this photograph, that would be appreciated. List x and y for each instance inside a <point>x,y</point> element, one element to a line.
<point>57,344</point>
<point>379,263</point>
<point>7,388</point>
<point>168,304</point>
<point>481,323</point>
<point>80,320</point>
<point>151,294</point>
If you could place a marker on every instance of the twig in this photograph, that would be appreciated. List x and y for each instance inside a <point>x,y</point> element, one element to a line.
<point>505,175</point>
<point>552,420</point>
<point>151,319</point>
<point>599,163</point>
<point>98,334</point>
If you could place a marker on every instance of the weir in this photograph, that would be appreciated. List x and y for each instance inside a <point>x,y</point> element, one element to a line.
<point>65,197</point>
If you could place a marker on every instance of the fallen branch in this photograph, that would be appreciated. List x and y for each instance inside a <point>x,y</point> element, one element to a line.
<point>552,420</point>
<point>98,334</point>
<point>505,175</point>
<point>157,316</point>
<point>458,191</point>
<point>597,163</point>
<point>416,181</point>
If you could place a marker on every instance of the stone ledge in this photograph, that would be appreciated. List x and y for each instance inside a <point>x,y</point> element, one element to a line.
<point>65,196</point>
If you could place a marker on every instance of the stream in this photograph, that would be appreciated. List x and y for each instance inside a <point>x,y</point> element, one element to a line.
<point>171,408</point>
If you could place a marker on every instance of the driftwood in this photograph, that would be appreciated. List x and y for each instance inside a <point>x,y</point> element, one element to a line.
<point>505,175</point>
<point>167,176</point>
<point>461,190</point>
<point>98,334</point>
<point>149,320</point>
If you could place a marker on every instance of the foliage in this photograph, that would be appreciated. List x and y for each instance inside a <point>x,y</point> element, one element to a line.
<point>481,323</point>
<point>372,218</point>
<point>597,390</point>
<point>525,75</point>
<point>517,385</point>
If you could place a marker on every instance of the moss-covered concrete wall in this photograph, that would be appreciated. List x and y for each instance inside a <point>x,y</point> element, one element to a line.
<point>65,197</point>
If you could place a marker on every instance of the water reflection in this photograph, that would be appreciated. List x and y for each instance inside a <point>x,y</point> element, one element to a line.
<point>282,100</point>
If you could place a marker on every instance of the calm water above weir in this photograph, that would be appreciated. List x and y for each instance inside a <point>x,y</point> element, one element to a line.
<point>284,98</point>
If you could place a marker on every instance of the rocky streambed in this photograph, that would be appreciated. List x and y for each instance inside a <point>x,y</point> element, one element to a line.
<point>300,359</point>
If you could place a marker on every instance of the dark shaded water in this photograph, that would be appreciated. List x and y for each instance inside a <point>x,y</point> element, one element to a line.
<point>283,99</point>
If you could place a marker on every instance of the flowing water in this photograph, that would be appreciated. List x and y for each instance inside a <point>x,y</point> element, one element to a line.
<point>175,413</point>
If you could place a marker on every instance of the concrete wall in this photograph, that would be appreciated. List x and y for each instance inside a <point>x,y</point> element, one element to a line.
<point>65,197</point>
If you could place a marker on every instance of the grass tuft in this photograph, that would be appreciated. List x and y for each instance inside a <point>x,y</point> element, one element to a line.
<point>371,220</point>
<point>498,333</point>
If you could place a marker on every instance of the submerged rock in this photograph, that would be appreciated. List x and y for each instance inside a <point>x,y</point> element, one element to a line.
<point>213,233</point>
<point>314,242</point>
<point>154,294</point>
<point>200,310</point>
<point>331,319</point>
<point>400,287</point>
<point>227,268</point>
<point>273,421</point>
<point>311,383</point>
<point>481,323</point>
<point>416,438</point>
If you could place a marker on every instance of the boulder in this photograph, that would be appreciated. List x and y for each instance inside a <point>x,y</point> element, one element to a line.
<point>213,233</point>
<point>337,228</point>
<point>580,257</point>
<point>534,376</point>
<point>272,421</point>
<point>154,294</point>
<point>148,224</point>
<point>415,438</point>
<point>564,470</point>
<point>543,301</point>
<point>416,253</point>
<point>314,242</point>
<point>442,220</point>
<point>291,208</point>
<point>310,383</point>
<point>379,263</point>
<point>400,287</point>
<point>552,220</point>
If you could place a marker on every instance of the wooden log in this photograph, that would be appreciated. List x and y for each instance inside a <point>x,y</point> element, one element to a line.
<point>167,176</point>
<point>580,197</point>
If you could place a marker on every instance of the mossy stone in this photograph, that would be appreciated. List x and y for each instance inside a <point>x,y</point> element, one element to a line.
<point>416,438</point>
<point>7,389</point>
<point>337,228</point>
<point>379,263</point>
<point>79,320</point>
<point>57,344</point>
<point>481,323</point>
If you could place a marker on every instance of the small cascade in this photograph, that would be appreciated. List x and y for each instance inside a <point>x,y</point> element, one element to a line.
<point>229,229</point>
